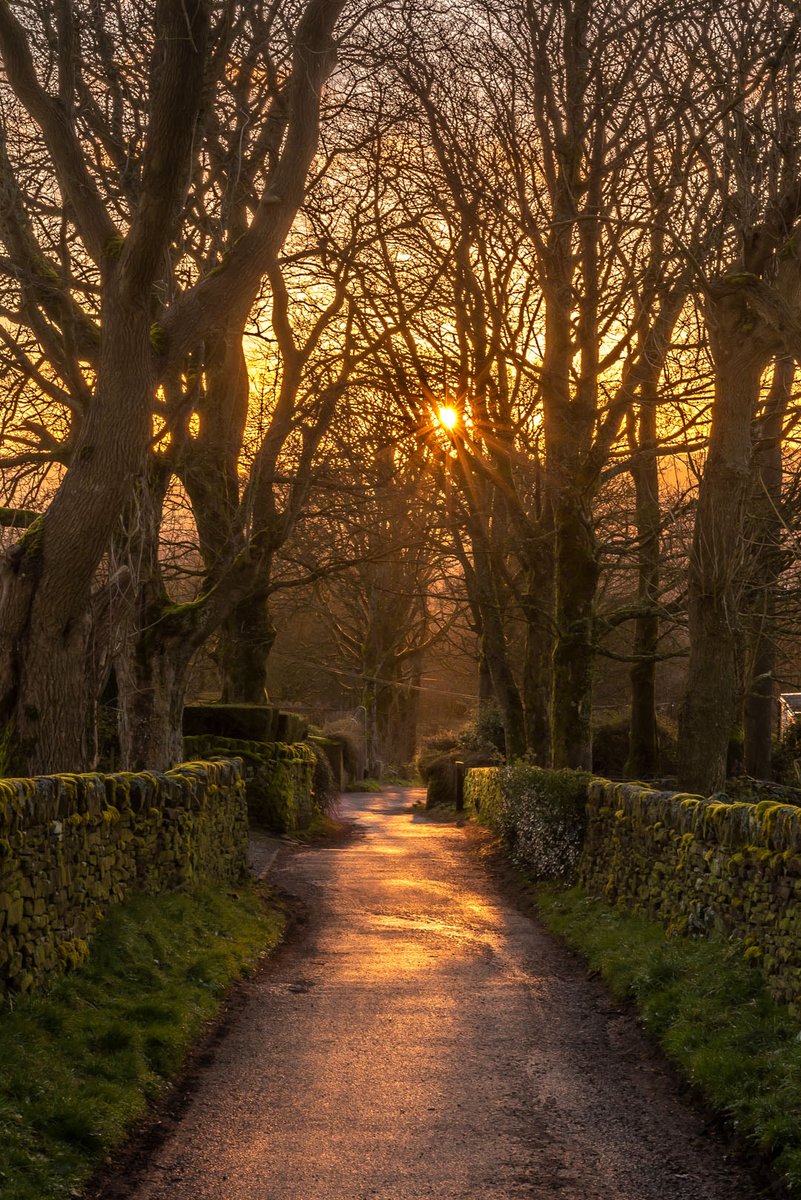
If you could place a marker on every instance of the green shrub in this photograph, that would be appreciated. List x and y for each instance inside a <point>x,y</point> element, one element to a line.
<point>368,785</point>
<point>486,733</point>
<point>541,816</point>
<point>432,750</point>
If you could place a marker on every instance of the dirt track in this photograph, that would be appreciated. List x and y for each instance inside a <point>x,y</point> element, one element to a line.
<point>420,1038</point>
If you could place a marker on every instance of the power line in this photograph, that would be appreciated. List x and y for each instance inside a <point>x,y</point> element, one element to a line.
<point>354,675</point>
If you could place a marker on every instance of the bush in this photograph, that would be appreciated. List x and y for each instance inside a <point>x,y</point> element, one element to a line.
<point>433,748</point>
<point>542,818</point>
<point>485,733</point>
<point>482,792</point>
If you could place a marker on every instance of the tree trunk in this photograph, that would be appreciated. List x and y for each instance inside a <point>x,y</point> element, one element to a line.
<point>760,703</point>
<point>150,657</point>
<point>716,561</point>
<point>396,712</point>
<point>764,537</point>
<point>495,655</point>
<point>643,759</point>
<point>537,662</point>
<point>246,640</point>
<point>44,689</point>
<point>576,581</point>
<point>407,715</point>
<point>485,693</point>
<point>151,689</point>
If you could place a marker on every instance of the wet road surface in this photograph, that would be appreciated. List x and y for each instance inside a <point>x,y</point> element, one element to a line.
<point>423,1039</point>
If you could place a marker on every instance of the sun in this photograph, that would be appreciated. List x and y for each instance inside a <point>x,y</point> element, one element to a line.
<point>447,416</point>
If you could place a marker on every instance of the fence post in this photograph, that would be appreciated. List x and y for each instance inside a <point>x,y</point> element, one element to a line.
<point>459,767</point>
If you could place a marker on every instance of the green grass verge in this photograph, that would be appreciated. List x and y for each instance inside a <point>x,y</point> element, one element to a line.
<point>709,1010</point>
<point>81,1061</point>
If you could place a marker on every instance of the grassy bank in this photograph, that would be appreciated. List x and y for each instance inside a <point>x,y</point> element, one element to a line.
<point>709,1010</point>
<point>81,1061</point>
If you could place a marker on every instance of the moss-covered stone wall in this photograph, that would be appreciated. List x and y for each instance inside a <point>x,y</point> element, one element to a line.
<point>701,865</point>
<point>249,722</point>
<point>72,845</point>
<point>482,793</point>
<point>278,778</point>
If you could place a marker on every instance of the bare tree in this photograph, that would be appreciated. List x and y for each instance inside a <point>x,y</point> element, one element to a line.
<point>751,153</point>
<point>120,227</point>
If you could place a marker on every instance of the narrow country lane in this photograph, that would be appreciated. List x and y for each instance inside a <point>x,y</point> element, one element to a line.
<point>423,1039</point>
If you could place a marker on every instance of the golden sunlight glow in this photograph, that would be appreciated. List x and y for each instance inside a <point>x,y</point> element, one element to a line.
<point>447,416</point>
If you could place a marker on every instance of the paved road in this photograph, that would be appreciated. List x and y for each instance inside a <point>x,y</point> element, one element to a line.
<point>422,1039</point>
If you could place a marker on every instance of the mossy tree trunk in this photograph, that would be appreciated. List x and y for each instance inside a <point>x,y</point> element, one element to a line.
<point>715,582</point>
<point>45,681</point>
<point>243,652</point>
<point>494,652</point>
<point>150,665</point>
<point>538,648</point>
<point>405,716</point>
<point>45,684</point>
<point>767,558</point>
<point>569,419</point>
<point>576,583</point>
<point>569,411</point>
<point>479,557</point>
<point>151,693</point>
<point>643,759</point>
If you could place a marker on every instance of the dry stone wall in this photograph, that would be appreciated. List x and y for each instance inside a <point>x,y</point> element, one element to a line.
<point>702,865</point>
<point>278,778</point>
<point>72,845</point>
